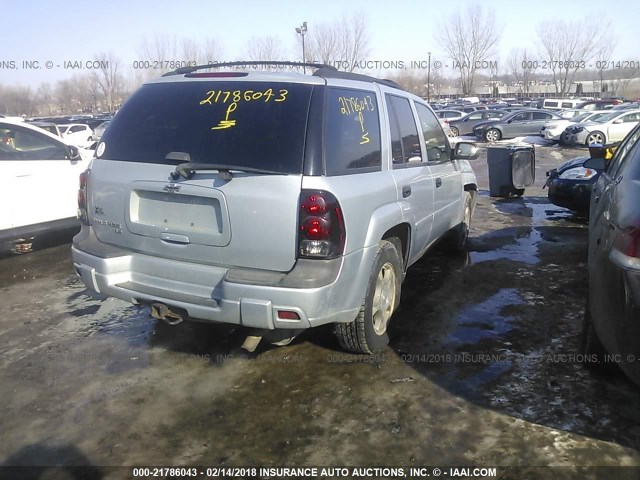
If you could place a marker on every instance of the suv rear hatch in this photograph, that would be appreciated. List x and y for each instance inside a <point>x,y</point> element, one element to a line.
<point>239,206</point>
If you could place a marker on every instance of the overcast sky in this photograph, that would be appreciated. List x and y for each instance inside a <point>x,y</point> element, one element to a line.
<point>399,30</point>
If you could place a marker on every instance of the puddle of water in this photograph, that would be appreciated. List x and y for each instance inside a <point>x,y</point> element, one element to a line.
<point>470,370</point>
<point>524,250</point>
<point>526,247</point>
<point>485,319</point>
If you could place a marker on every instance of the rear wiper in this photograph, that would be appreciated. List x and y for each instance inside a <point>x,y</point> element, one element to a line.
<point>187,170</point>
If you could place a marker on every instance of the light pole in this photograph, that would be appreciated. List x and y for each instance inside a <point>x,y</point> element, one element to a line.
<point>302,32</point>
<point>429,78</point>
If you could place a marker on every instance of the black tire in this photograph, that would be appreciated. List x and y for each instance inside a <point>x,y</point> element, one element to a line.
<point>368,332</point>
<point>454,132</point>
<point>519,192</point>
<point>492,135</point>
<point>457,242</point>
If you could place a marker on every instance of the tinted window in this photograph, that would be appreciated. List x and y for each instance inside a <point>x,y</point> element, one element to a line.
<point>474,116</point>
<point>493,114</point>
<point>18,143</point>
<point>407,129</point>
<point>541,116</point>
<point>622,153</point>
<point>521,117</point>
<point>244,124</point>
<point>436,142</point>
<point>396,140</point>
<point>567,105</point>
<point>550,104</point>
<point>352,135</point>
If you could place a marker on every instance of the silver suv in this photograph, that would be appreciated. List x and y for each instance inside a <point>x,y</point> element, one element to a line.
<point>278,201</point>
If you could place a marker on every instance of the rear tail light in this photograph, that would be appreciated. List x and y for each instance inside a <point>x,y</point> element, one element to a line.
<point>629,243</point>
<point>82,197</point>
<point>321,225</point>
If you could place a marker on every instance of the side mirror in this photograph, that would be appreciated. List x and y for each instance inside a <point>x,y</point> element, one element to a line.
<point>617,121</point>
<point>596,163</point>
<point>73,152</point>
<point>464,151</point>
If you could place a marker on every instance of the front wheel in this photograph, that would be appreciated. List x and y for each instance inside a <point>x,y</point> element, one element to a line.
<point>594,138</point>
<point>492,135</point>
<point>368,332</point>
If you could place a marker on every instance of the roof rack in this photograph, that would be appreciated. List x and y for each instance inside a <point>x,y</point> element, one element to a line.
<point>323,70</point>
<point>334,73</point>
<point>183,70</point>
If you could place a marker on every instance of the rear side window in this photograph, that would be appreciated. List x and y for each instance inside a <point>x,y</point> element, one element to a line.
<point>541,116</point>
<point>352,132</point>
<point>551,104</point>
<point>243,124</point>
<point>406,132</point>
<point>567,105</point>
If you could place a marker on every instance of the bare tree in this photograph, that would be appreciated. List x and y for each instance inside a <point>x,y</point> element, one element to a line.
<point>522,66</point>
<point>17,100</point>
<point>344,43</point>
<point>109,80</point>
<point>567,47</point>
<point>165,53</point>
<point>265,49</point>
<point>622,79</point>
<point>469,40</point>
<point>602,58</point>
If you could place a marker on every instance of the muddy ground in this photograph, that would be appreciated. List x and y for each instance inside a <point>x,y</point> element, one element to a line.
<point>482,368</point>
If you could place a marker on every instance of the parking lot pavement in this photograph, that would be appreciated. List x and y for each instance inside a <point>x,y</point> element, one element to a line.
<point>483,367</point>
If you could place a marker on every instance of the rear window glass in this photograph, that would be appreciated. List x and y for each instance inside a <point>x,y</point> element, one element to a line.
<point>245,124</point>
<point>352,135</point>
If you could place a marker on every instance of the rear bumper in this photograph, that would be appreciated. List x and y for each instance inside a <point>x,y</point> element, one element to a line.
<point>318,292</point>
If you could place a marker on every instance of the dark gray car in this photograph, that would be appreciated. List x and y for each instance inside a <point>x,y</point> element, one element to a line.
<point>464,125</point>
<point>516,124</point>
<point>611,328</point>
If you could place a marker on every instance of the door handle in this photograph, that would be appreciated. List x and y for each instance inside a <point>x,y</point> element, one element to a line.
<point>406,191</point>
<point>596,200</point>
<point>438,182</point>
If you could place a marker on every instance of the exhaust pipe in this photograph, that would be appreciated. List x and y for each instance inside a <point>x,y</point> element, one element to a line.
<point>160,311</point>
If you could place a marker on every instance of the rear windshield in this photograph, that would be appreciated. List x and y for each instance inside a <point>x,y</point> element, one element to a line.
<point>245,124</point>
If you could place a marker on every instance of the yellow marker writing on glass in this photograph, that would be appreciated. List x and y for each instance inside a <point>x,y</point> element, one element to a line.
<point>226,123</point>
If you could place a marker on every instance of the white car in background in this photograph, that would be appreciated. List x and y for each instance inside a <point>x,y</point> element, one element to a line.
<point>609,128</point>
<point>40,193</point>
<point>554,130</point>
<point>445,115</point>
<point>591,116</point>
<point>77,134</point>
